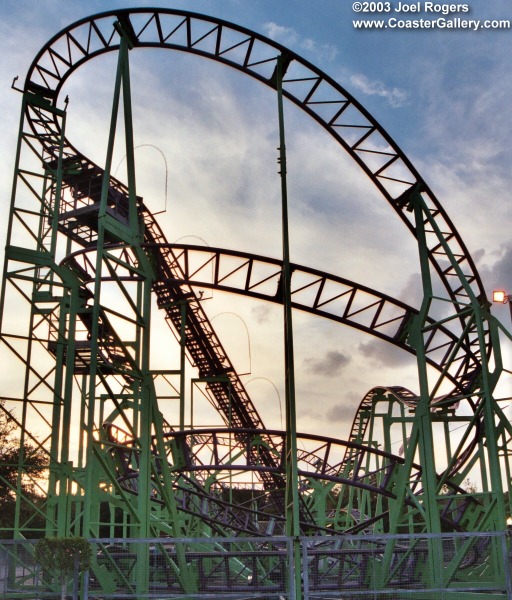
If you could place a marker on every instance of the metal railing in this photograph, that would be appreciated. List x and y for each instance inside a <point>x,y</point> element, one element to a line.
<point>438,567</point>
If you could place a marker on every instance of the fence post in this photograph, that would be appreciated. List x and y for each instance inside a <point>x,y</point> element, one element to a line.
<point>4,569</point>
<point>76,576</point>
<point>290,584</point>
<point>305,569</point>
<point>507,561</point>
<point>86,585</point>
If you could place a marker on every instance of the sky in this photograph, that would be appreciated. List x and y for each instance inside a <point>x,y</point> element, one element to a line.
<point>207,157</point>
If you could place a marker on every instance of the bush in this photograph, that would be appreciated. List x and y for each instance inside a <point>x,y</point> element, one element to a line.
<point>60,556</point>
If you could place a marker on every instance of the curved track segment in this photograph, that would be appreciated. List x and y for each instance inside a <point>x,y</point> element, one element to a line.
<point>332,297</point>
<point>315,93</point>
<point>305,85</point>
<point>217,481</point>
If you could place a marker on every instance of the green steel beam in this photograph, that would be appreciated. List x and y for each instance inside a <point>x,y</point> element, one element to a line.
<point>292,478</point>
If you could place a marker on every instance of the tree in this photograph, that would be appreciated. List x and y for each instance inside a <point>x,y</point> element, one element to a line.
<point>63,558</point>
<point>11,450</point>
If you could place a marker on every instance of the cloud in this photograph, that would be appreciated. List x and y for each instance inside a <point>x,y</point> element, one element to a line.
<point>394,96</point>
<point>285,35</point>
<point>261,313</point>
<point>344,411</point>
<point>498,274</point>
<point>412,292</point>
<point>322,51</point>
<point>471,88</point>
<point>288,36</point>
<point>291,38</point>
<point>384,354</point>
<point>330,365</point>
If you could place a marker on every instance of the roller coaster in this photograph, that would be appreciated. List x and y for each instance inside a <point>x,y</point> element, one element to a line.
<point>87,264</point>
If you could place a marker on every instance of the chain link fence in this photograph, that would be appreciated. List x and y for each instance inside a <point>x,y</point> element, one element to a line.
<point>438,567</point>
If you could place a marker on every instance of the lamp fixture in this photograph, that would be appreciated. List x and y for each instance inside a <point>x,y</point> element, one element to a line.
<point>499,296</point>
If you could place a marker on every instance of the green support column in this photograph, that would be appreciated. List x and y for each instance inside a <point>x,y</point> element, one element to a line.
<point>183,346</point>
<point>423,411</point>
<point>292,477</point>
<point>64,393</point>
<point>38,254</point>
<point>423,415</point>
<point>421,437</point>
<point>142,384</point>
<point>488,404</point>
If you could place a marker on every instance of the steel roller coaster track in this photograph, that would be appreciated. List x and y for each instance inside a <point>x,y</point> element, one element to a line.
<point>90,232</point>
